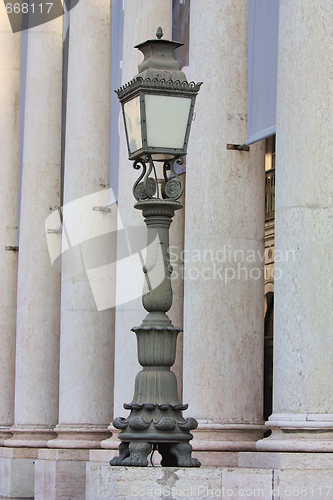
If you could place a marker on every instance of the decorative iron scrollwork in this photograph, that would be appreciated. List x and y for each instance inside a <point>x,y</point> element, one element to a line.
<point>142,191</point>
<point>137,165</point>
<point>147,186</point>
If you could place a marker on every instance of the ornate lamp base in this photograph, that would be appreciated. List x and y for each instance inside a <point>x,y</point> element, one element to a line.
<point>155,421</point>
<point>136,454</point>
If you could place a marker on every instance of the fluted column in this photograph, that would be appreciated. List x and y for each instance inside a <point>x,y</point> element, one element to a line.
<point>38,296</point>
<point>224,240</point>
<point>10,64</point>
<point>86,339</point>
<point>141,19</point>
<point>302,418</point>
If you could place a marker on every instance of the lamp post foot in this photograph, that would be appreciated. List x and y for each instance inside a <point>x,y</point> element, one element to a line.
<point>123,453</point>
<point>136,454</point>
<point>177,455</point>
<point>182,452</point>
<point>133,454</point>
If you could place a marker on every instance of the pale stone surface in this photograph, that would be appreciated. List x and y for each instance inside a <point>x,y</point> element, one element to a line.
<point>60,479</point>
<point>246,483</point>
<point>18,452</point>
<point>304,211</point>
<point>306,439</point>
<point>141,19</point>
<point>36,378</point>
<point>307,484</point>
<point>274,460</point>
<point>60,473</point>
<point>63,454</point>
<point>123,483</point>
<point>105,482</point>
<point>10,52</point>
<point>18,477</point>
<point>216,458</point>
<point>17,472</point>
<point>113,442</point>
<point>30,435</point>
<point>103,456</point>
<point>177,231</point>
<point>232,437</point>
<point>86,342</point>
<point>45,480</point>
<point>223,307</point>
<point>82,436</point>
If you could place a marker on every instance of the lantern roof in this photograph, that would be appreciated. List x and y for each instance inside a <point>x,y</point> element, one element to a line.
<point>159,70</point>
<point>159,61</point>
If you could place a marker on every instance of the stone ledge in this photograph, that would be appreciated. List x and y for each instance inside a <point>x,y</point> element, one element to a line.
<point>103,456</point>
<point>155,483</point>
<point>18,452</point>
<point>285,460</point>
<point>63,454</point>
<point>21,498</point>
<point>217,458</point>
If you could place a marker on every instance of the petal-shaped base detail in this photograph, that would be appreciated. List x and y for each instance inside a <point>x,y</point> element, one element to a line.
<point>188,425</point>
<point>138,423</point>
<point>120,423</point>
<point>165,424</point>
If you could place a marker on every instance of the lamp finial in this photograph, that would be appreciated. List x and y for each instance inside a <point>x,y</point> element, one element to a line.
<point>159,33</point>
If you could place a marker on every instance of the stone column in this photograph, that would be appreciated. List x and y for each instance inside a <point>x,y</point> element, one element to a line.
<point>141,19</point>
<point>302,417</point>
<point>176,312</point>
<point>224,240</point>
<point>87,321</point>
<point>38,295</point>
<point>10,57</point>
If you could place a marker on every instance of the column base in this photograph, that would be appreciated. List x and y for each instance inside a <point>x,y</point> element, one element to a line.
<point>227,437</point>
<point>5,433</point>
<point>300,432</point>
<point>30,436</point>
<point>79,436</point>
<point>113,442</point>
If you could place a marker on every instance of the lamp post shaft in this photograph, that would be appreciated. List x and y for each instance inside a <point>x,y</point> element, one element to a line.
<point>155,420</point>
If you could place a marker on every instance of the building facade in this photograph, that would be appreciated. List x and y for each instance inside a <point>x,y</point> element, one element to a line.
<point>70,257</point>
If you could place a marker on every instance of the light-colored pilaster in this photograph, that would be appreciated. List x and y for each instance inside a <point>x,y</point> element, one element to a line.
<point>10,64</point>
<point>302,418</point>
<point>38,296</point>
<point>86,338</point>
<point>224,239</point>
<point>141,20</point>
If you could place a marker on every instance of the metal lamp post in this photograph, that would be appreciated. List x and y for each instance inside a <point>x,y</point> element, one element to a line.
<point>158,109</point>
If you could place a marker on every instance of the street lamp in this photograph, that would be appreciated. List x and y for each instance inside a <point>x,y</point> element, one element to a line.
<point>158,109</point>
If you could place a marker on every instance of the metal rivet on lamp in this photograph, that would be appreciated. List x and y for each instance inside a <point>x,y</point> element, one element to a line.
<point>157,107</point>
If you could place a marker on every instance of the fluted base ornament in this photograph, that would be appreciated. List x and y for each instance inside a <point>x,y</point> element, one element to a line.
<point>156,420</point>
